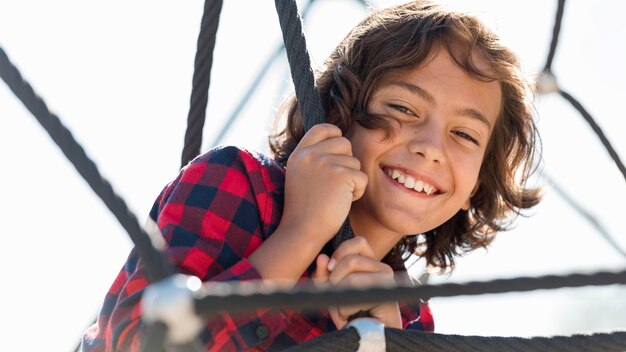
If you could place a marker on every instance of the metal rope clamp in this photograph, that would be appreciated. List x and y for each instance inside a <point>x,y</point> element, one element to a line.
<point>372,334</point>
<point>171,301</point>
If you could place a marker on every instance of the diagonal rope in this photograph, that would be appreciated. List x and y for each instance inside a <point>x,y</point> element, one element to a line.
<point>246,96</point>
<point>585,214</point>
<point>201,80</point>
<point>598,131</point>
<point>555,35</point>
<point>157,267</point>
<point>553,87</point>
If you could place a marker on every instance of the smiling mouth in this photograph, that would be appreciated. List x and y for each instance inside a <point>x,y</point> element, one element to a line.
<point>410,182</point>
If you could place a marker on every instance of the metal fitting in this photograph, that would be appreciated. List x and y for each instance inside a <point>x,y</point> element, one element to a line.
<point>372,334</point>
<point>171,301</point>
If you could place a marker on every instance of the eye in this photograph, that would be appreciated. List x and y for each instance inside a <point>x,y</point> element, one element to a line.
<point>402,109</point>
<point>466,137</point>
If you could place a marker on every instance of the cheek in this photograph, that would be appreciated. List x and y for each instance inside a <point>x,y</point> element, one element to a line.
<point>466,173</point>
<point>367,144</point>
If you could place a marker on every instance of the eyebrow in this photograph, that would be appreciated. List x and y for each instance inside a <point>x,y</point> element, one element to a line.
<point>417,90</point>
<point>475,114</point>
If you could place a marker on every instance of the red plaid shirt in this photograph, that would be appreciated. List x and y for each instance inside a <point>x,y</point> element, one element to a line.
<point>221,207</point>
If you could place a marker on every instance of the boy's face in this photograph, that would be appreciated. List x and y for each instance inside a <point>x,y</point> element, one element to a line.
<point>427,170</point>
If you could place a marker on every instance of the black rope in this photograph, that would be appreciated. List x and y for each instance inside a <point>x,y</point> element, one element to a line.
<point>157,267</point>
<point>237,297</point>
<point>337,341</point>
<point>300,63</point>
<point>347,340</point>
<point>555,35</point>
<point>307,95</point>
<point>596,128</point>
<point>201,80</point>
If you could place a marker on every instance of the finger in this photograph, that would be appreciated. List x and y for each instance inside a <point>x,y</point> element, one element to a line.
<point>360,183</point>
<point>319,133</point>
<point>320,275</point>
<point>356,245</point>
<point>359,271</point>
<point>388,313</point>
<point>343,161</point>
<point>337,318</point>
<point>333,145</point>
<point>367,279</point>
<point>347,169</point>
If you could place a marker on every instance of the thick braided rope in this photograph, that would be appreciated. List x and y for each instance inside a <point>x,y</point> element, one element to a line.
<point>337,341</point>
<point>238,297</point>
<point>307,95</point>
<point>201,80</point>
<point>555,35</point>
<point>412,340</point>
<point>157,267</point>
<point>299,63</point>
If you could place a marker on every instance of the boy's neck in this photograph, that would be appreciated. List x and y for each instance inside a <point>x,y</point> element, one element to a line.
<point>381,239</point>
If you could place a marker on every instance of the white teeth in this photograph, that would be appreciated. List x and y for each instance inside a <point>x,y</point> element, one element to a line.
<point>410,182</point>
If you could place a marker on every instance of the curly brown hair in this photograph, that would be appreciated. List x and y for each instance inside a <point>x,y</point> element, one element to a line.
<point>398,39</point>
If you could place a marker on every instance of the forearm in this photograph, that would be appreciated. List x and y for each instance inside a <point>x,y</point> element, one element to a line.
<point>285,255</point>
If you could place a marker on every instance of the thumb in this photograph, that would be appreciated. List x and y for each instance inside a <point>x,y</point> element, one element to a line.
<point>321,273</point>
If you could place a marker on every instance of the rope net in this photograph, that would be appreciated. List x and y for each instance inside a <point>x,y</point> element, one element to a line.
<point>309,104</point>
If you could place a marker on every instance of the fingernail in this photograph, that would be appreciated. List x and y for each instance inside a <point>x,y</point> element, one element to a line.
<point>331,264</point>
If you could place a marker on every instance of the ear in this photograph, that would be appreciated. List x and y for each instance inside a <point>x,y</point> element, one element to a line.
<point>466,205</point>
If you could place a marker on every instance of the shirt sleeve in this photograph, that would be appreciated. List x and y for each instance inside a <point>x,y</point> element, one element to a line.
<point>221,207</point>
<point>417,317</point>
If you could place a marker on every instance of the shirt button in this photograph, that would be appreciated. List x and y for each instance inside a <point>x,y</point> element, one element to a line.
<point>262,332</point>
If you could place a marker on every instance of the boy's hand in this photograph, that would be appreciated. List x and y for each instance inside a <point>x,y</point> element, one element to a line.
<point>353,264</point>
<point>322,181</point>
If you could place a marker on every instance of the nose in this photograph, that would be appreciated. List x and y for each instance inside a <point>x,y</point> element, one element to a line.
<point>429,143</point>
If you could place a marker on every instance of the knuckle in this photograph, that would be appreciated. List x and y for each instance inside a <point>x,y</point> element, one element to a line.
<point>387,269</point>
<point>345,144</point>
<point>326,128</point>
<point>352,261</point>
<point>360,241</point>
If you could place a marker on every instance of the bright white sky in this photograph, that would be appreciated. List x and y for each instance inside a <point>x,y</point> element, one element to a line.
<point>119,74</point>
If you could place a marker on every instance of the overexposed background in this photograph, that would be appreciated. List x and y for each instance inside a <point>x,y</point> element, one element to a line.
<point>119,73</point>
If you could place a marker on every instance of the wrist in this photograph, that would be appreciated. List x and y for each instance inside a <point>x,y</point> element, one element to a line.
<point>285,255</point>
